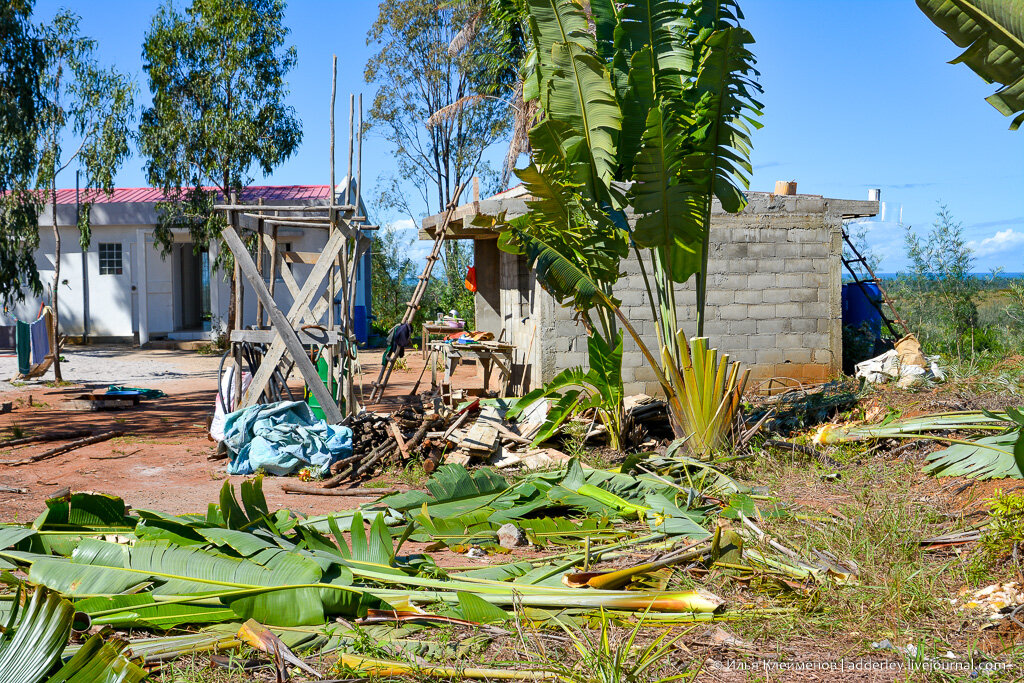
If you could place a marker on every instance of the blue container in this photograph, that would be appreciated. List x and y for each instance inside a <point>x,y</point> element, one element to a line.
<point>359,324</point>
<point>861,304</point>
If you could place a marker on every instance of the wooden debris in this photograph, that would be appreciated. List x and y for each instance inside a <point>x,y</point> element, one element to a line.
<point>66,448</point>
<point>483,437</point>
<point>49,436</point>
<point>289,487</point>
<point>12,489</point>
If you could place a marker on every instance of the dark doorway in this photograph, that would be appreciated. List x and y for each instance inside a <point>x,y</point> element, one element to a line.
<point>195,289</point>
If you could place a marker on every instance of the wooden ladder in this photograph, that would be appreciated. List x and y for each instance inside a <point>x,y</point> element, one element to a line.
<point>417,295</point>
<point>890,322</point>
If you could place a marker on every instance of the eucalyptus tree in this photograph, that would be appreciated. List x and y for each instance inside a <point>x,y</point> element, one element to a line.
<point>217,75</point>
<point>22,107</point>
<point>445,75</point>
<point>90,107</point>
<point>647,106</point>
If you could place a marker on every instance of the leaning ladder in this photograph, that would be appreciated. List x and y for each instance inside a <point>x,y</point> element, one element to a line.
<point>417,295</point>
<point>890,322</point>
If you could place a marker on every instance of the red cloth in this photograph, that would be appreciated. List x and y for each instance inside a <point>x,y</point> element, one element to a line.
<point>471,279</point>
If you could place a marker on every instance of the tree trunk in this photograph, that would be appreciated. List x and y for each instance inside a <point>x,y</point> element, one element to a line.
<point>56,287</point>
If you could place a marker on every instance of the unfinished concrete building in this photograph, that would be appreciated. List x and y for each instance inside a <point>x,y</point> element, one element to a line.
<point>774,287</point>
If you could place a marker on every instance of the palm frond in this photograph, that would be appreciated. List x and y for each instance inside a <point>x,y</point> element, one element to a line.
<point>449,112</point>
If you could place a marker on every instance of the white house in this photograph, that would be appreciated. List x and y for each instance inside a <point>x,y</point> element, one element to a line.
<point>124,288</point>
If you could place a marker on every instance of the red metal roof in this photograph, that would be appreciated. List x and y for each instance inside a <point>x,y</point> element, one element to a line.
<point>152,195</point>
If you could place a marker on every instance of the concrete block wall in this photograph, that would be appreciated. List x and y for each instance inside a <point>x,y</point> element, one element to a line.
<point>773,298</point>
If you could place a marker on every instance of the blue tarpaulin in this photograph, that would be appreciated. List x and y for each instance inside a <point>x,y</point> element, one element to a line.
<point>282,438</point>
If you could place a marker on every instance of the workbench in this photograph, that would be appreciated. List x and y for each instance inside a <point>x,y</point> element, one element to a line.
<point>438,328</point>
<point>489,354</point>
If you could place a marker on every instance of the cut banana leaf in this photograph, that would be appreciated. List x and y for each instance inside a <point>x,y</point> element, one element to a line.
<point>32,646</point>
<point>991,457</point>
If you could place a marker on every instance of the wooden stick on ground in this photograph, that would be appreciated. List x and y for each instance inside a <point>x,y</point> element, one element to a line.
<point>66,448</point>
<point>12,489</point>
<point>119,456</point>
<point>288,487</point>
<point>49,436</point>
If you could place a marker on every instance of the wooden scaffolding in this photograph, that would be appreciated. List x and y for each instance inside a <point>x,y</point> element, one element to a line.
<point>320,316</point>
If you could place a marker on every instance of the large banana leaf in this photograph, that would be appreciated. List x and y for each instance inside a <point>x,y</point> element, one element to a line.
<point>450,484</point>
<point>575,88</point>
<point>669,215</point>
<point>599,387</point>
<point>188,571</point>
<point>31,647</point>
<point>992,31</point>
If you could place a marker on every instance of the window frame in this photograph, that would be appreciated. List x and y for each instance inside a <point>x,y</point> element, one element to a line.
<point>106,252</point>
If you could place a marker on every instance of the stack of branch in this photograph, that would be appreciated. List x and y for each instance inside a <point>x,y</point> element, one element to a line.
<point>380,440</point>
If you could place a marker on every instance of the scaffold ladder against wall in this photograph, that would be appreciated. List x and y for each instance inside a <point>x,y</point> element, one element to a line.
<point>892,320</point>
<point>413,305</point>
<point>327,324</point>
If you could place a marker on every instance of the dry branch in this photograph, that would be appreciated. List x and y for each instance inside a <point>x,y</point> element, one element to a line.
<point>49,436</point>
<point>66,448</point>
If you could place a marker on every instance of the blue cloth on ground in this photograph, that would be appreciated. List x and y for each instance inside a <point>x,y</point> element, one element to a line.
<point>283,438</point>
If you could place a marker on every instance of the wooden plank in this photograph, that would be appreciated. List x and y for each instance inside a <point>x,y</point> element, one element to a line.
<point>483,436</point>
<point>284,272</point>
<point>281,322</point>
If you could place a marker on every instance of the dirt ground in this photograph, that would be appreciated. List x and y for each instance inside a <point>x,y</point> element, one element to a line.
<point>163,461</point>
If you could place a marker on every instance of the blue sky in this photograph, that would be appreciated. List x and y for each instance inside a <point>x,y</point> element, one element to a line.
<point>858,94</point>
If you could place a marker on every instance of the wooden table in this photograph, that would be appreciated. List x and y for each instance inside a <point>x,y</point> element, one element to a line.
<point>488,354</point>
<point>438,328</point>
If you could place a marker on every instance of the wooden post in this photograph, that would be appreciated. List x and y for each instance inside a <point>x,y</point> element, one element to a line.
<point>274,256</point>
<point>259,265</point>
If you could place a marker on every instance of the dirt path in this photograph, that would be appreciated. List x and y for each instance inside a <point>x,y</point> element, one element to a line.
<point>163,462</point>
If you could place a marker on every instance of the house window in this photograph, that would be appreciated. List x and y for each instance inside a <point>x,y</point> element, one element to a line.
<point>110,259</point>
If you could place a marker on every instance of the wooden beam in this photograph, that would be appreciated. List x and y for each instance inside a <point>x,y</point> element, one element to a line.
<point>308,257</point>
<point>315,337</point>
<point>283,325</point>
<point>298,313</point>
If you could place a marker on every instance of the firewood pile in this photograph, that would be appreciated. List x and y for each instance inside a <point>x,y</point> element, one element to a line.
<point>475,434</point>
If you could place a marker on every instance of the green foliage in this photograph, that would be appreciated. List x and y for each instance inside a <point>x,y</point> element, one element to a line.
<point>439,107</point>
<point>217,75</point>
<point>94,106</point>
<point>32,647</point>
<point>390,272</point>
<point>1004,531</point>
<point>939,296</point>
<point>993,34</point>
<point>651,111</point>
<point>575,389</point>
<point>23,107</point>
<point>603,660</point>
